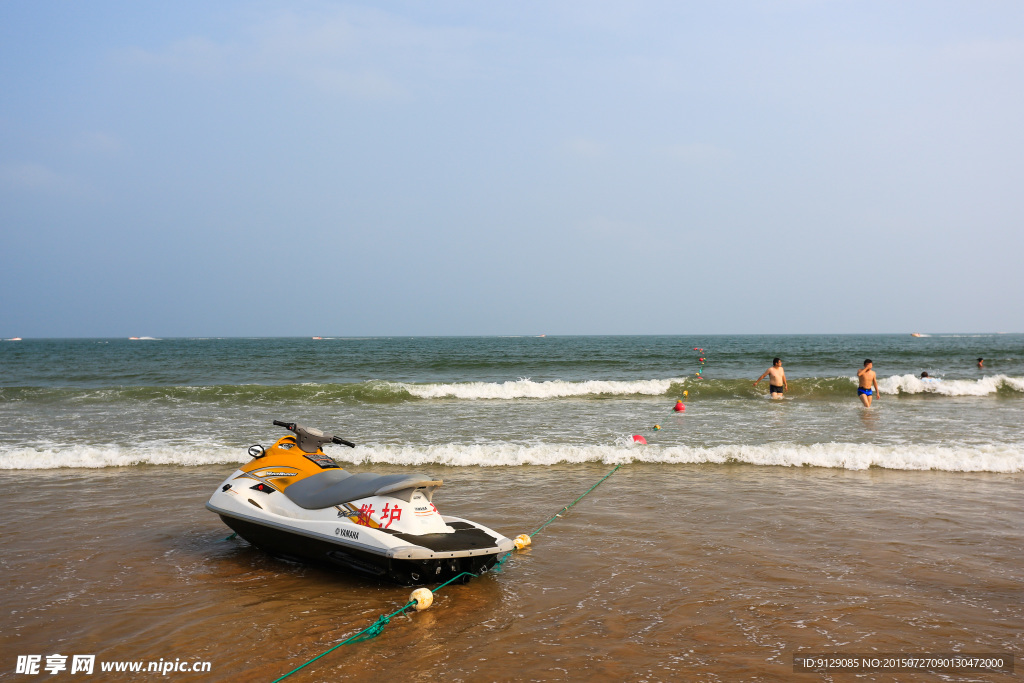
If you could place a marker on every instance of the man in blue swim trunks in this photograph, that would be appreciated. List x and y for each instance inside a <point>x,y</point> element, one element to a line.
<point>868,388</point>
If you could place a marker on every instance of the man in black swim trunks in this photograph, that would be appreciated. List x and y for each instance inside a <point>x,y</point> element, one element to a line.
<point>777,383</point>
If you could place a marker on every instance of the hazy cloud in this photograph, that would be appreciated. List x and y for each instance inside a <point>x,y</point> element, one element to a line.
<point>35,177</point>
<point>364,54</point>
<point>587,149</point>
<point>604,229</point>
<point>1009,52</point>
<point>193,54</point>
<point>699,154</point>
<point>99,143</point>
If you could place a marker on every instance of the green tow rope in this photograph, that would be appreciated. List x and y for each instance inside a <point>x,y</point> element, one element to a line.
<point>566,508</point>
<point>377,627</point>
<point>371,631</point>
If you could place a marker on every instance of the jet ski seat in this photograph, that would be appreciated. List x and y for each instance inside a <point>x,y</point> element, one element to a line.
<point>335,487</point>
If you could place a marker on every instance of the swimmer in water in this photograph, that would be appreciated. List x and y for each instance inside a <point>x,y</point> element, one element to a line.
<point>868,388</point>
<point>981,362</point>
<point>777,384</point>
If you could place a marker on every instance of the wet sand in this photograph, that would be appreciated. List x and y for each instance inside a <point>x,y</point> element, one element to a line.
<point>697,572</point>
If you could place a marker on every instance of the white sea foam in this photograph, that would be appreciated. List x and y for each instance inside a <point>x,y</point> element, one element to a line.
<point>909,384</point>
<point>1002,458</point>
<point>527,388</point>
<point>115,456</point>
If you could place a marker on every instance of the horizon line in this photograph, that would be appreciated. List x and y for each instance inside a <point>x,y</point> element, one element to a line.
<point>924,335</point>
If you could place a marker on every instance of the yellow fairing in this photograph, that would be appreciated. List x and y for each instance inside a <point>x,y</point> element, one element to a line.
<point>285,460</point>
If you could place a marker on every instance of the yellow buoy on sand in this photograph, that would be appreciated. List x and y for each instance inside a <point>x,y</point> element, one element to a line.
<point>422,597</point>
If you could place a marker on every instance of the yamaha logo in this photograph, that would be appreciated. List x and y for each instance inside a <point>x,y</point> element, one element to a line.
<point>347,533</point>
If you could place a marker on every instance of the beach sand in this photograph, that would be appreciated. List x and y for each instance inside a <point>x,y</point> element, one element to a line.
<point>688,572</point>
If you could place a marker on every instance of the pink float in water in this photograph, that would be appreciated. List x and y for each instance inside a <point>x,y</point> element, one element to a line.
<point>639,439</point>
<point>679,407</point>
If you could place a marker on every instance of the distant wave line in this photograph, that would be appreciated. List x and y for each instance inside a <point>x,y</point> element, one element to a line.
<point>997,458</point>
<point>382,391</point>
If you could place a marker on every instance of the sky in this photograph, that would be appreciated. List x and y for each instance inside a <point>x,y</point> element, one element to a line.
<point>467,168</point>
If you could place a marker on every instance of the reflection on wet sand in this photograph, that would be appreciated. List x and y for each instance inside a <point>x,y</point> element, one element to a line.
<point>664,572</point>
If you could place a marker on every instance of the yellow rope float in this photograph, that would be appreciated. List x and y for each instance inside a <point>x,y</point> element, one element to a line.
<point>423,598</point>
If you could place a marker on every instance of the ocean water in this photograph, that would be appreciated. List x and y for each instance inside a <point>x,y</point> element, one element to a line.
<point>511,401</point>
<point>745,532</point>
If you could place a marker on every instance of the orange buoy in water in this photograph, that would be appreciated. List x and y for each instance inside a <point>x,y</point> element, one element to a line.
<point>639,439</point>
<point>679,407</point>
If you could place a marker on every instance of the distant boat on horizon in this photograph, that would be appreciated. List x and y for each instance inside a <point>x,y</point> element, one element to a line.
<point>142,339</point>
<point>13,339</point>
<point>916,334</point>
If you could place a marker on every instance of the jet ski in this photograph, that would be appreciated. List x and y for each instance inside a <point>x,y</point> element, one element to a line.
<point>295,501</point>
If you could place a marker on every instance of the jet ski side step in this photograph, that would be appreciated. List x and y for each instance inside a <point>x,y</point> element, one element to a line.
<point>408,572</point>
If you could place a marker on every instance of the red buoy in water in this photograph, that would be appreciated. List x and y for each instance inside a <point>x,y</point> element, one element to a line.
<point>639,439</point>
<point>679,407</point>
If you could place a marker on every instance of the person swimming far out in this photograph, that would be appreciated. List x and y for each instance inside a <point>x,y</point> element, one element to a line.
<point>777,385</point>
<point>981,362</point>
<point>868,381</point>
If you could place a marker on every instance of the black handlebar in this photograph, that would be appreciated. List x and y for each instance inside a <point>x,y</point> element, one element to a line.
<point>309,439</point>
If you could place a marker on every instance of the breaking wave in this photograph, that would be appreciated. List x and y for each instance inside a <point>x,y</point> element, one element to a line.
<point>1001,458</point>
<point>527,388</point>
<point>909,384</point>
<point>381,391</point>
<point>94,457</point>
